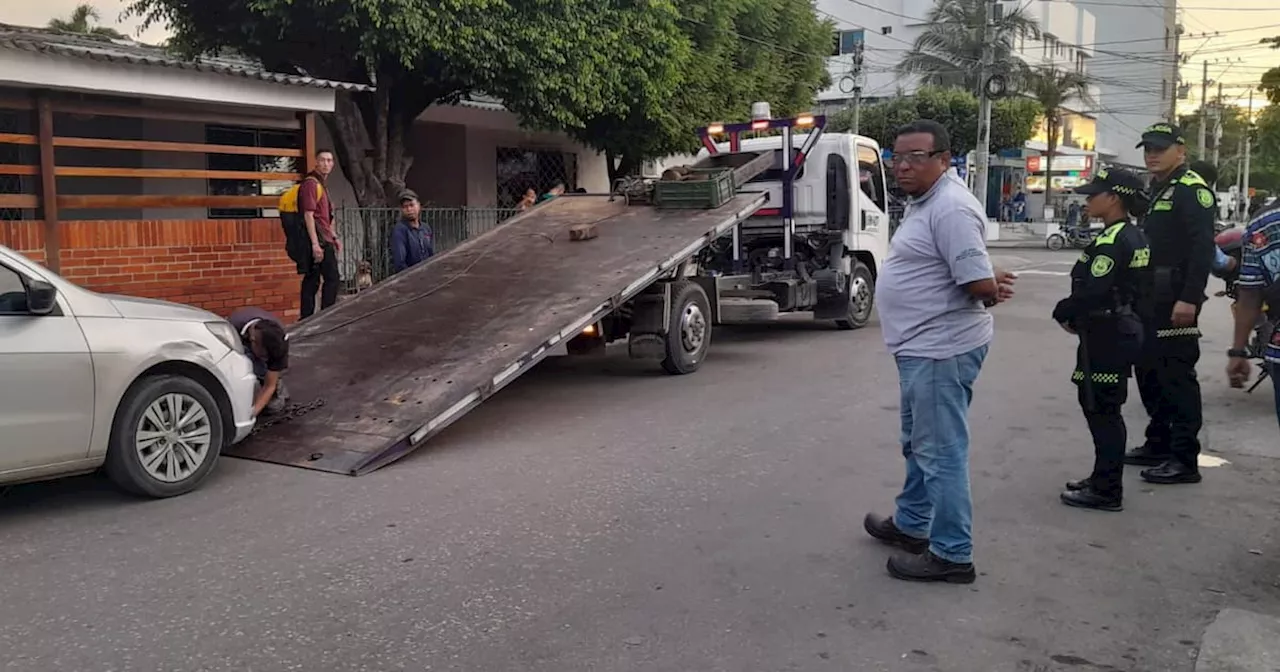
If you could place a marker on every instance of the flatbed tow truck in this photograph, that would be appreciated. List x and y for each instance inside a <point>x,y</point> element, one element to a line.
<point>379,374</point>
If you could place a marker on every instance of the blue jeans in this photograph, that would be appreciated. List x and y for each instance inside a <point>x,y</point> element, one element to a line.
<point>935,502</point>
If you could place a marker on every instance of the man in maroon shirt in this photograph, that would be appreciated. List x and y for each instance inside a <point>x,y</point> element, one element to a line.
<point>317,212</point>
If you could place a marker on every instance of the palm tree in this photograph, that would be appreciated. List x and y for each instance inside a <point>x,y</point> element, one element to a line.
<point>950,49</point>
<point>1053,88</point>
<point>82,21</point>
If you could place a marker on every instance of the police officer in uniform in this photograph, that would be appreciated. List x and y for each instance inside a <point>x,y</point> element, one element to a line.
<point>1110,297</point>
<point>1179,226</point>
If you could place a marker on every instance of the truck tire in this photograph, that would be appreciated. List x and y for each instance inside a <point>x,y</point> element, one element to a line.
<point>862,297</point>
<point>689,336</point>
<point>166,437</point>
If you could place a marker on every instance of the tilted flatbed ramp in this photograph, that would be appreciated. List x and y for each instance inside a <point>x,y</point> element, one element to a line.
<point>402,360</point>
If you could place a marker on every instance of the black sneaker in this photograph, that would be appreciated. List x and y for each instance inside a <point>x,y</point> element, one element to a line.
<point>929,567</point>
<point>1146,456</point>
<point>1172,472</point>
<point>1088,498</point>
<point>885,530</point>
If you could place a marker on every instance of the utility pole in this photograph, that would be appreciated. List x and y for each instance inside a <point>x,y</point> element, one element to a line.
<point>982,155</point>
<point>1217,127</point>
<point>1177,69</point>
<point>857,86</point>
<point>1204,106</point>
<point>1248,149</point>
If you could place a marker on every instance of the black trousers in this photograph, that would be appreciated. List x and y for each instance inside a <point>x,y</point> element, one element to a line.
<point>1171,394</point>
<point>1114,347</point>
<point>320,276</point>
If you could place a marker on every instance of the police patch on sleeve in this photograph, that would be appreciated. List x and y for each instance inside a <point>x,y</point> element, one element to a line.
<point>1101,266</point>
<point>1205,197</point>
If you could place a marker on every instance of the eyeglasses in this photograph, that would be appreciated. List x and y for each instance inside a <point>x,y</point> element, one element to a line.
<point>914,158</point>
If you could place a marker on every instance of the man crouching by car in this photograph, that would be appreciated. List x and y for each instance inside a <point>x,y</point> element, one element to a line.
<point>267,346</point>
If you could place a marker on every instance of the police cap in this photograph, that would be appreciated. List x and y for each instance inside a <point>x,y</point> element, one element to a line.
<point>1161,136</point>
<point>1118,181</point>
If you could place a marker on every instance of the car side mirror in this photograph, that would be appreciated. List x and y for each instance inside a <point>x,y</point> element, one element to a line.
<point>42,297</point>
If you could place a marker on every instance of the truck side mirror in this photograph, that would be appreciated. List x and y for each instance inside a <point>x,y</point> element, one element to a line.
<point>42,297</point>
<point>838,194</point>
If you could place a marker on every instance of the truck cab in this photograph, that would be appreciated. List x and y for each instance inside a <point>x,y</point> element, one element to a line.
<point>839,231</point>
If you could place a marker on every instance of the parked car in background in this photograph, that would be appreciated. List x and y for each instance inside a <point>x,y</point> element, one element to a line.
<point>149,390</point>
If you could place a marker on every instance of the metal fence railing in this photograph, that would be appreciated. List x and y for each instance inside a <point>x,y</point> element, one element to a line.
<point>366,236</point>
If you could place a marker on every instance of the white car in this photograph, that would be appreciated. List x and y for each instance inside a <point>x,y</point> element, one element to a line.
<point>150,390</point>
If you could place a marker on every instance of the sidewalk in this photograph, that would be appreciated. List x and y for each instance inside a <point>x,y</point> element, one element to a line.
<point>1240,641</point>
<point>1029,235</point>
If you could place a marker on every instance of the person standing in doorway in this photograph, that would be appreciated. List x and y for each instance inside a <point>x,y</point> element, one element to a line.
<point>932,295</point>
<point>1179,227</point>
<point>317,212</point>
<point>411,240</point>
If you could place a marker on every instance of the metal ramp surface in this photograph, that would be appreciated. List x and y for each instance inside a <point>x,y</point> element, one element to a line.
<point>402,360</point>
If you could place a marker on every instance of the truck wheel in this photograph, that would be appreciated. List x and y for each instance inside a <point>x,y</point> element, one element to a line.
<point>862,297</point>
<point>1055,242</point>
<point>166,437</point>
<point>689,337</point>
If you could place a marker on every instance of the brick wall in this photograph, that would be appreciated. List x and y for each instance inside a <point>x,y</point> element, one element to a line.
<point>24,237</point>
<point>219,265</point>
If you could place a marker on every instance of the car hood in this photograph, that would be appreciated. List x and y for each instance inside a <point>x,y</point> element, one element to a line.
<point>153,309</point>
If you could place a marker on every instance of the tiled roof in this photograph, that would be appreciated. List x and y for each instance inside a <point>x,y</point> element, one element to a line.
<point>113,50</point>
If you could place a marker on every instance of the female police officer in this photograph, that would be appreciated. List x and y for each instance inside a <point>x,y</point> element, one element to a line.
<point>1110,295</point>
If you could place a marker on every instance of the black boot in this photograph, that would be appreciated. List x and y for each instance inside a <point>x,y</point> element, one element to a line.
<point>1088,498</point>
<point>1081,484</point>
<point>929,567</point>
<point>885,530</point>
<point>1170,473</point>
<point>1146,456</point>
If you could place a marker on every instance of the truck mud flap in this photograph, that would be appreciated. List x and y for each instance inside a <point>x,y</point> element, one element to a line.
<point>398,363</point>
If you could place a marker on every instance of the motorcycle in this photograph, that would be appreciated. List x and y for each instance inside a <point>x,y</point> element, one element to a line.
<point>1231,242</point>
<point>1078,236</point>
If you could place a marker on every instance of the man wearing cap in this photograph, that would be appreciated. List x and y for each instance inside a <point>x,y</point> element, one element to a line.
<point>411,240</point>
<point>1110,298</point>
<point>1179,226</point>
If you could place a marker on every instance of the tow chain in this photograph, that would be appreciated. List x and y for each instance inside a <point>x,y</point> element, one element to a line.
<point>290,412</point>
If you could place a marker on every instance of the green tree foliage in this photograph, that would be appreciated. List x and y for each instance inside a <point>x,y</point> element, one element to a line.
<point>569,59</point>
<point>1271,78</point>
<point>950,47</point>
<point>1013,120</point>
<point>82,20</point>
<point>731,53</point>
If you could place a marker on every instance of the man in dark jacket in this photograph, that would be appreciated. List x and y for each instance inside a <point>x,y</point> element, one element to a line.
<point>411,240</point>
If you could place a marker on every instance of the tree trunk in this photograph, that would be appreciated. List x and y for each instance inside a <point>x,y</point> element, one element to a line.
<point>373,148</point>
<point>620,166</point>
<point>1051,144</point>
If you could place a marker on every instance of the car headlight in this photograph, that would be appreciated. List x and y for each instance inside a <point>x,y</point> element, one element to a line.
<point>227,334</point>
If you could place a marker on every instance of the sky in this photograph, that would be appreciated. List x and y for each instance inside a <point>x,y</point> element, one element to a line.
<point>1237,60</point>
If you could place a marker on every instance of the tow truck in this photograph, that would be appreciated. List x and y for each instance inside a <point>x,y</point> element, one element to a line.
<point>378,375</point>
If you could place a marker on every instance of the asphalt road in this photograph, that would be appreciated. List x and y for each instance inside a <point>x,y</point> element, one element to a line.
<point>599,516</point>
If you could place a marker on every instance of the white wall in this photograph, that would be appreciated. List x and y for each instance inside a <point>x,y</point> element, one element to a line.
<point>1129,68</point>
<point>487,130</point>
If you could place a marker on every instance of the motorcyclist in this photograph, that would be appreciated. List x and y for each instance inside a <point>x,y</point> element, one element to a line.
<point>1110,296</point>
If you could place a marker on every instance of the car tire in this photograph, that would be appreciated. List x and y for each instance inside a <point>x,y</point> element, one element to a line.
<point>862,296</point>
<point>153,452</point>
<point>689,336</point>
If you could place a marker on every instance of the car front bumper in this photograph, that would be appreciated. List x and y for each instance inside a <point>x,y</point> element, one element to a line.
<point>241,387</point>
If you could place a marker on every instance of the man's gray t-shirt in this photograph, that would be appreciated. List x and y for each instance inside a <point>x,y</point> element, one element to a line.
<point>940,246</point>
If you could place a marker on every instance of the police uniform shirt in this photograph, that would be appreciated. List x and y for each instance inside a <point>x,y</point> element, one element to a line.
<point>1179,227</point>
<point>1111,272</point>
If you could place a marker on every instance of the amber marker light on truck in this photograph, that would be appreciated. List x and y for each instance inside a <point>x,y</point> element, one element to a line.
<point>804,120</point>
<point>715,129</point>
